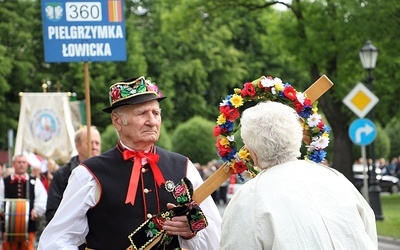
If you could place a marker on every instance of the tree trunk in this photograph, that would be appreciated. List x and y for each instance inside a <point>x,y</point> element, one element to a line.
<point>342,145</point>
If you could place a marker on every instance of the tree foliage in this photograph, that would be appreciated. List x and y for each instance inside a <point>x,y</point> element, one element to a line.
<point>382,143</point>
<point>194,139</point>
<point>393,132</point>
<point>109,138</point>
<point>323,37</point>
<point>19,47</point>
<point>165,140</point>
<point>197,51</point>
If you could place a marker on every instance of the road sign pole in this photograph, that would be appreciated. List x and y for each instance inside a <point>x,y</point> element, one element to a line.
<point>361,101</point>
<point>374,189</point>
<point>364,189</point>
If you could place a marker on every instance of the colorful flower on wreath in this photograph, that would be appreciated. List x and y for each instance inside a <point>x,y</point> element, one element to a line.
<point>267,89</point>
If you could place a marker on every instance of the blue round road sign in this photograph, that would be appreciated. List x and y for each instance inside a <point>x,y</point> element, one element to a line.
<point>362,132</point>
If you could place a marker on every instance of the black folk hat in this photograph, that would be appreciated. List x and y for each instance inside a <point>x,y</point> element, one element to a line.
<point>132,91</point>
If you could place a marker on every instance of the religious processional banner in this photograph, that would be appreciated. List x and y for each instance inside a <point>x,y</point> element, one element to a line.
<point>78,113</point>
<point>45,126</point>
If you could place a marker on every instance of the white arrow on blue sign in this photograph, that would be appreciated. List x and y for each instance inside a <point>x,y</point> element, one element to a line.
<point>362,132</point>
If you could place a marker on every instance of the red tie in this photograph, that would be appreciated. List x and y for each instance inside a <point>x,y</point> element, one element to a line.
<point>152,159</point>
<point>18,178</point>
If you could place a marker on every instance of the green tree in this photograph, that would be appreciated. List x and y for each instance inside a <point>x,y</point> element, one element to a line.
<point>165,140</point>
<point>198,51</point>
<point>323,37</point>
<point>195,140</point>
<point>18,49</point>
<point>382,143</point>
<point>393,132</point>
<point>193,58</point>
<point>109,138</point>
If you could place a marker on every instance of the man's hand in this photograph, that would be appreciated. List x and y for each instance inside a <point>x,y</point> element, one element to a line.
<point>178,225</point>
<point>34,215</point>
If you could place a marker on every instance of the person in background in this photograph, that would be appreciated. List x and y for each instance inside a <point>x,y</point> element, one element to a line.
<point>60,177</point>
<point>223,192</point>
<point>47,176</point>
<point>210,169</point>
<point>111,195</point>
<point>199,168</point>
<point>292,203</point>
<point>396,169</point>
<point>2,172</point>
<point>2,175</point>
<point>20,185</point>
<point>36,171</point>
<point>393,166</point>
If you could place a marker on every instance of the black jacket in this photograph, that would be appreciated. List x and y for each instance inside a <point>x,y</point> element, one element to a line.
<point>58,185</point>
<point>111,220</point>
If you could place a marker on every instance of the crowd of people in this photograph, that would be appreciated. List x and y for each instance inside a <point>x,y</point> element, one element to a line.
<point>138,195</point>
<point>43,189</point>
<point>387,167</point>
<point>383,167</point>
<point>220,195</point>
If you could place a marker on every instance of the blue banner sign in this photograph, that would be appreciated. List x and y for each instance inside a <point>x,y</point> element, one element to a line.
<point>83,31</point>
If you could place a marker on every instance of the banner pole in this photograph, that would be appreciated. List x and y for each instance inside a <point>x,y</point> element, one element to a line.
<point>88,112</point>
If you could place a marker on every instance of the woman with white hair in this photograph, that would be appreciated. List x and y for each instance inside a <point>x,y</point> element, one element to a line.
<point>292,203</point>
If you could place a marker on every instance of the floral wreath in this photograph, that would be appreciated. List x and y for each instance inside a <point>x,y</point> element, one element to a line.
<point>315,132</point>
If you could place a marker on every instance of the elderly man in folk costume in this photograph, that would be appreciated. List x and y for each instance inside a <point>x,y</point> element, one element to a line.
<point>23,201</point>
<point>125,197</point>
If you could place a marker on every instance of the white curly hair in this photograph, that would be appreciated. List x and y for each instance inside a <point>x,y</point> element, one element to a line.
<point>273,132</point>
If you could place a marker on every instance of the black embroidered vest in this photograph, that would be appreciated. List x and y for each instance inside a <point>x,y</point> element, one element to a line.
<point>111,220</point>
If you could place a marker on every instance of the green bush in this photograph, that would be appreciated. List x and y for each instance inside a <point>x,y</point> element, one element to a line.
<point>195,139</point>
<point>393,130</point>
<point>165,139</point>
<point>109,138</point>
<point>382,143</point>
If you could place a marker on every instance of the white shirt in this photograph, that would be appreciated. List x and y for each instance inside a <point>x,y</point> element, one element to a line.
<point>40,195</point>
<point>69,227</point>
<point>298,205</point>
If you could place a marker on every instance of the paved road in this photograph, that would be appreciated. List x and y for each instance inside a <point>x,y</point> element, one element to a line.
<point>384,243</point>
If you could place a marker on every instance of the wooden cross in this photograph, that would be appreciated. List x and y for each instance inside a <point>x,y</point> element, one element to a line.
<point>315,91</point>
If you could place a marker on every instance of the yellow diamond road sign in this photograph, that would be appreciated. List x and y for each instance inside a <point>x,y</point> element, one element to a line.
<point>360,100</point>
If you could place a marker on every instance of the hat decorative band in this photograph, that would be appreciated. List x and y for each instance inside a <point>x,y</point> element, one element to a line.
<point>130,88</point>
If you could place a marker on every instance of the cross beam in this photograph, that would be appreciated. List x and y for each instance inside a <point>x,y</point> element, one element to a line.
<point>315,91</point>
